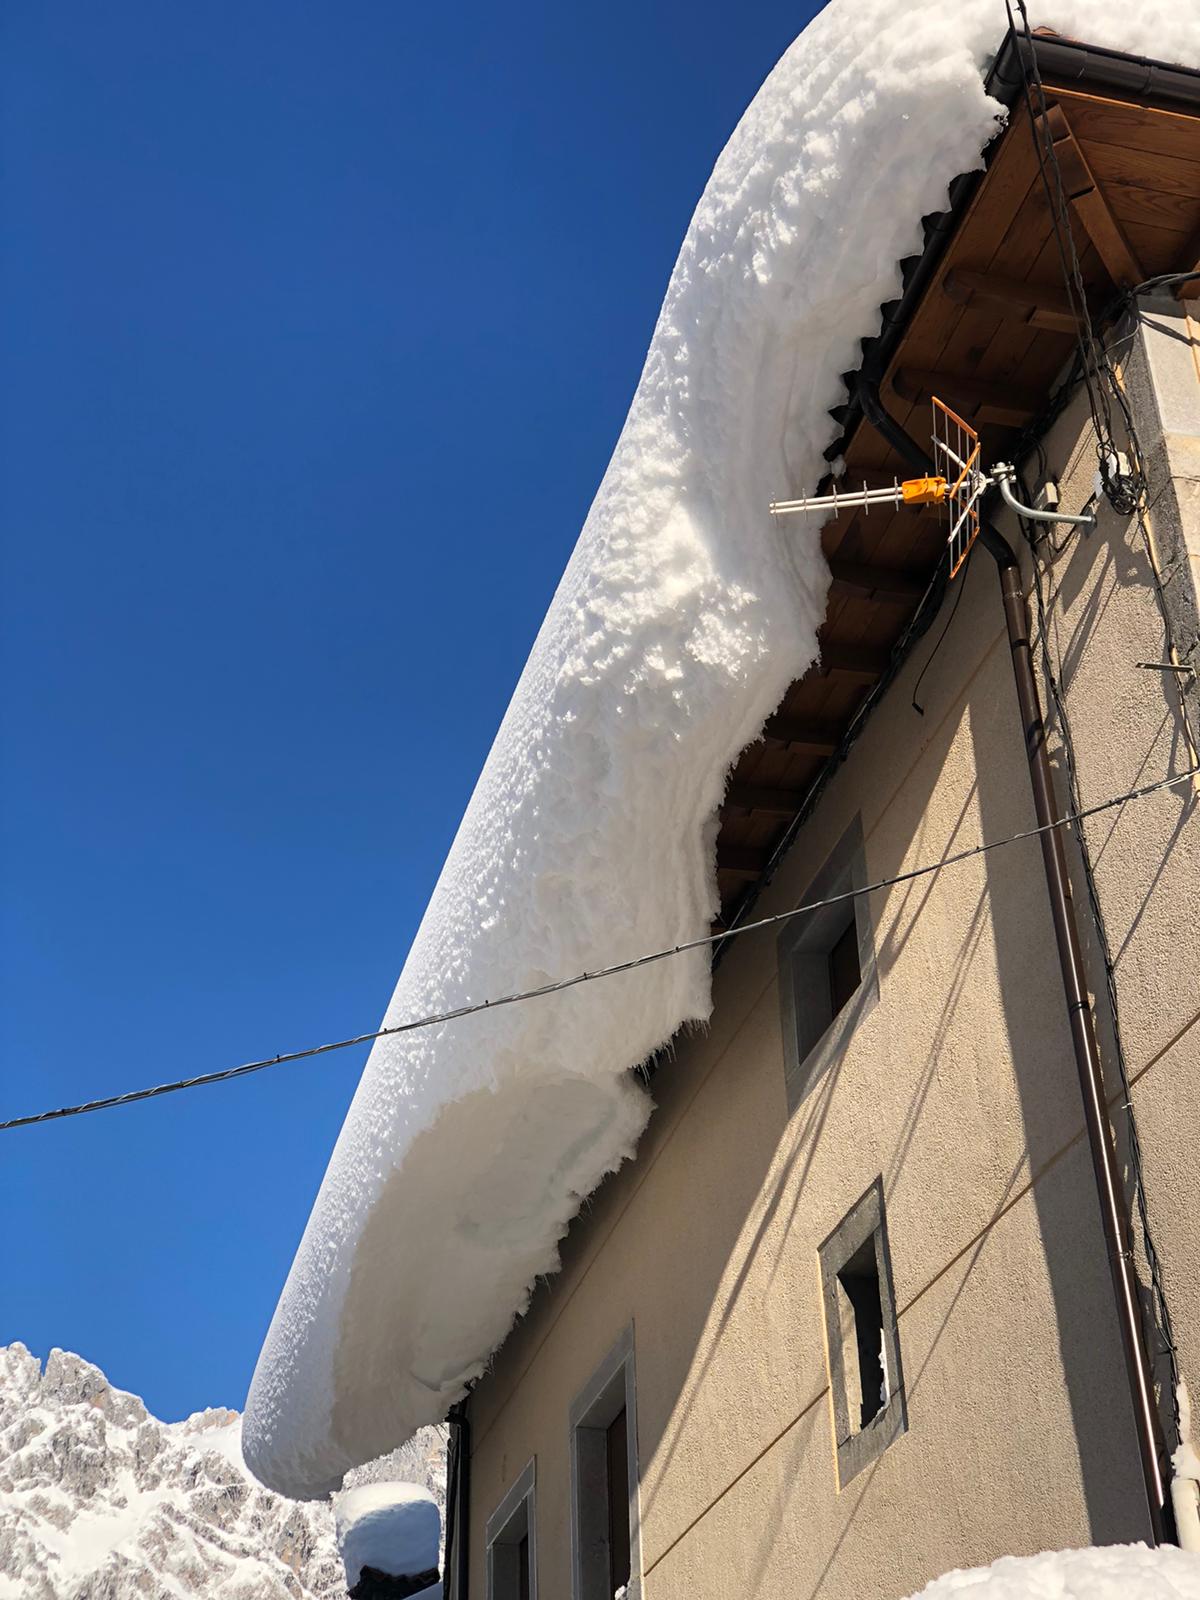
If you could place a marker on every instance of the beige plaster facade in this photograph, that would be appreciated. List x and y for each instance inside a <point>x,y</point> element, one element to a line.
<point>958,1089</point>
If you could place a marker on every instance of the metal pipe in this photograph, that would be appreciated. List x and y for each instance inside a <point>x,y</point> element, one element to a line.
<point>1003,476</point>
<point>1083,1036</point>
<point>458,1508</point>
<point>881,419</point>
<point>1066,60</point>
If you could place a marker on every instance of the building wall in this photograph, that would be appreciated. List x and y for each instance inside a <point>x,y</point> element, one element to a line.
<point>959,1089</point>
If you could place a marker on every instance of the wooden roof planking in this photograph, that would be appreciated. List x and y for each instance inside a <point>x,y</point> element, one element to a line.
<point>990,334</point>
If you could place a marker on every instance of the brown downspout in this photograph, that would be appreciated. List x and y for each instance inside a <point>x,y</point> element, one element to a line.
<point>458,1507</point>
<point>1083,1035</point>
<point>1151,1448</point>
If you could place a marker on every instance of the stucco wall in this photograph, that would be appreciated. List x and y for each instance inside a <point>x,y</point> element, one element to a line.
<point>959,1089</point>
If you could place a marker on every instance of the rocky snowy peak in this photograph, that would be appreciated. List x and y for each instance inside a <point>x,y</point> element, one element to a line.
<point>99,1500</point>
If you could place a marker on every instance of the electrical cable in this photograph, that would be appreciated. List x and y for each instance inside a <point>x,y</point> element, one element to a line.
<point>704,941</point>
<point>1129,497</point>
<point>1128,493</point>
<point>1091,353</point>
<point>941,638</point>
<point>1162,1313</point>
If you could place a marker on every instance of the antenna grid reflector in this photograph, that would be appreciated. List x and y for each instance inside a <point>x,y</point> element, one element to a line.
<point>956,457</point>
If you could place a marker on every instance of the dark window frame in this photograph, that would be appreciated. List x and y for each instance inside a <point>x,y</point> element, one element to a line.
<point>815,1029</point>
<point>511,1527</point>
<point>610,1392</point>
<point>863,1230</point>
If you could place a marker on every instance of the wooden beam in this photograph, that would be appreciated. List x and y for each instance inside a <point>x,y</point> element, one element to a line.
<point>1034,304</point>
<point>1087,199</point>
<point>803,734</point>
<point>869,582</point>
<point>760,797</point>
<point>741,860</point>
<point>1150,130</point>
<point>999,401</point>
<point>861,662</point>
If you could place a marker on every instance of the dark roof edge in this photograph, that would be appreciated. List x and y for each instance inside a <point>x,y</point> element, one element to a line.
<point>1067,61</point>
<point>1063,60</point>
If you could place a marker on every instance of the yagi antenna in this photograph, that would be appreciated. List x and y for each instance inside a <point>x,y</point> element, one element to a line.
<point>958,483</point>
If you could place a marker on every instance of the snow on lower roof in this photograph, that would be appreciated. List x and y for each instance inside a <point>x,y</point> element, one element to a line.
<point>681,619</point>
<point>393,1527</point>
<point>1110,1572</point>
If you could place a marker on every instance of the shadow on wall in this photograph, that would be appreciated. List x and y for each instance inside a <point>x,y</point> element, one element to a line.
<point>763,1198</point>
<point>1080,586</point>
<point>777,1195</point>
<point>1045,1073</point>
<point>763,1193</point>
<point>1042,1063</point>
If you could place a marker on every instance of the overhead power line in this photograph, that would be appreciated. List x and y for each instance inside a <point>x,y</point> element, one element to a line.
<point>436,1019</point>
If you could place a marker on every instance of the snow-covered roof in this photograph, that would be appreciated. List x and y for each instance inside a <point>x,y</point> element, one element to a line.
<point>681,619</point>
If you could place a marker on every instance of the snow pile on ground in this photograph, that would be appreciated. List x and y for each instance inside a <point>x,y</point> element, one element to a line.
<point>681,619</point>
<point>1112,1572</point>
<point>392,1528</point>
<point>100,1499</point>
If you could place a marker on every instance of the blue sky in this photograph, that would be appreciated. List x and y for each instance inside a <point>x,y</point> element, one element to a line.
<point>318,326</point>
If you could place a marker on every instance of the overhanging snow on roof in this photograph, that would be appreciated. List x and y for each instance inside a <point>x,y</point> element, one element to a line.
<point>681,619</point>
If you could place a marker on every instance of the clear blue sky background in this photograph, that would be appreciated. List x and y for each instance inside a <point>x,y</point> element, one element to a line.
<point>319,324</point>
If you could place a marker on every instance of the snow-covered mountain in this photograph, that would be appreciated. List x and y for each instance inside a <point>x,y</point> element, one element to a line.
<point>99,1500</point>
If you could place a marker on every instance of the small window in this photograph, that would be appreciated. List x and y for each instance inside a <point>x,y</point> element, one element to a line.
<point>865,1379</point>
<point>860,1317</point>
<point>511,1543</point>
<point>827,980</point>
<point>604,1492</point>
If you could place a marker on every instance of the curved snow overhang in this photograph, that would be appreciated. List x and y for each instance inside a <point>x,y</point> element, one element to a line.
<point>688,638</point>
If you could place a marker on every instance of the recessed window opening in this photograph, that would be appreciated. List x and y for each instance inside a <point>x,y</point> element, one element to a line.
<point>617,1444</point>
<point>827,977</point>
<point>510,1538</point>
<point>845,974</point>
<point>861,1313</point>
<point>866,1382</point>
<point>605,1540</point>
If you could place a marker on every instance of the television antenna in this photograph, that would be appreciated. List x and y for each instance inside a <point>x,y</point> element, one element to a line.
<point>957,484</point>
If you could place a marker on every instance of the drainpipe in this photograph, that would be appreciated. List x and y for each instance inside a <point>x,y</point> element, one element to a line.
<point>458,1509</point>
<point>1083,1033</point>
<point>1070,956</point>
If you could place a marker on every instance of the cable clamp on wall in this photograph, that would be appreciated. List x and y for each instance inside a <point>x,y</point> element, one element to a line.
<point>1183,668</point>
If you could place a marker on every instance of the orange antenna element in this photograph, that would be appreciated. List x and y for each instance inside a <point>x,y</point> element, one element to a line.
<point>956,453</point>
<point>957,482</point>
<point>910,492</point>
<point>924,491</point>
